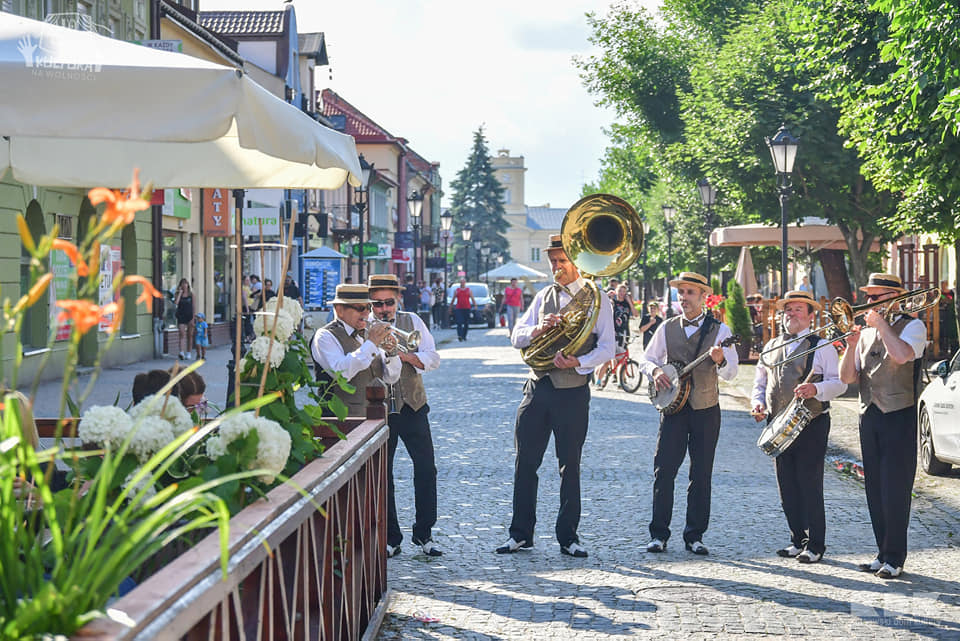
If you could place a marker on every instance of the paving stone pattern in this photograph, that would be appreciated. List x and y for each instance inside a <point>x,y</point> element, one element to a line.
<point>741,590</point>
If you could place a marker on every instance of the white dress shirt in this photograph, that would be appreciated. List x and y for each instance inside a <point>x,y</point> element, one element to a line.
<point>914,334</point>
<point>327,351</point>
<point>826,362</point>
<point>606,340</point>
<point>656,353</point>
<point>427,351</point>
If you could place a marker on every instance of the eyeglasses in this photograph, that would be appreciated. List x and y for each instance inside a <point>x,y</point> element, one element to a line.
<point>389,302</point>
<point>873,297</point>
<point>359,308</point>
<point>198,407</point>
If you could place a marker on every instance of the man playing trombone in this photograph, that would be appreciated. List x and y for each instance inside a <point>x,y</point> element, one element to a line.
<point>345,346</point>
<point>407,417</point>
<point>786,374</point>
<point>885,358</point>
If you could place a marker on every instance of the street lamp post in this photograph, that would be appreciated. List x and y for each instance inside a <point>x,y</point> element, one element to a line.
<point>783,150</point>
<point>708,196</point>
<point>669,213</point>
<point>415,209</point>
<point>646,241</point>
<point>486,265</point>
<point>478,244</point>
<point>366,172</point>
<point>466,233</point>
<point>446,220</point>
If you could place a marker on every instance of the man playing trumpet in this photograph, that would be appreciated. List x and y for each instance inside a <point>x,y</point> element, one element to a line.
<point>816,380</point>
<point>408,417</point>
<point>885,359</point>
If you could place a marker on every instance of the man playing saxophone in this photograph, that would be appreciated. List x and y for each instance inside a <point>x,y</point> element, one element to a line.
<point>557,401</point>
<point>408,418</point>
<point>815,380</point>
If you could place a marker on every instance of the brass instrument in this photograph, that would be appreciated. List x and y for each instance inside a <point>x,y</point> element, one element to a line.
<point>404,341</point>
<point>843,317</point>
<point>602,235</point>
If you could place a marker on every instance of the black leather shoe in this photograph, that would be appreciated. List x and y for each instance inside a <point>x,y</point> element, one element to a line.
<point>512,546</point>
<point>657,545</point>
<point>789,552</point>
<point>392,551</point>
<point>574,549</point>
<point>697,547</point>
<point>873,566</point>
<point>429,547</point>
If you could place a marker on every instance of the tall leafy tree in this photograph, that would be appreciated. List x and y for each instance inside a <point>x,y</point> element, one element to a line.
<point>478,201</point>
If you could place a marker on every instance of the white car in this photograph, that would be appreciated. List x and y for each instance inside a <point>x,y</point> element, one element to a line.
<point>938,421</point>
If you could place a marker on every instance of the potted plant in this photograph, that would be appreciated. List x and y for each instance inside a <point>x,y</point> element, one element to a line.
<point>738,318</point>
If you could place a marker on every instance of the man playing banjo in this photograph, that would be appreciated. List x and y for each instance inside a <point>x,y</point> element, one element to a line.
<point>696,426</point>
<point>816,380</point>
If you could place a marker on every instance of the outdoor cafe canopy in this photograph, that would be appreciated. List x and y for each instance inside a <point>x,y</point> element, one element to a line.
<point>82,110</point>
<point>811,233</point>
<point>511,270</point>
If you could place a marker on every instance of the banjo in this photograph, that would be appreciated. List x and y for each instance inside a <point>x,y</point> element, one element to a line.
<point>672,399</point>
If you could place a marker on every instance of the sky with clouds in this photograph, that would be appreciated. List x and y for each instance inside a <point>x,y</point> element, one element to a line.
<point>433,71</point>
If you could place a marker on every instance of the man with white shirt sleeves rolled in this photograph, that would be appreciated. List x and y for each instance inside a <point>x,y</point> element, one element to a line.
<point>696,426</point>
<point>557,401</point>
<point>815,378</point>
<point>408,418</point>
<point>885,359</point>
<point>344,345</point>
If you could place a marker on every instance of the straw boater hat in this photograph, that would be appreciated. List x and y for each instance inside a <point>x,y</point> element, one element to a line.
<point>352,295</point>
<point>798,296</point>
<point>556,242</point>
<point>383,281</point>
<point>884,283</point>
<point>692,278</point>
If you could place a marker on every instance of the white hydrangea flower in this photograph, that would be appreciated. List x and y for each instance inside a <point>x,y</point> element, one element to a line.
<point>135,489</point>
<point>290,306</point>
<point>262,323</point>
<point>151,433</point>
<point>104,425</point>
<point>216,447</point>
<point>273,448</point>
<point>259,347</point>
<point>169,408</point>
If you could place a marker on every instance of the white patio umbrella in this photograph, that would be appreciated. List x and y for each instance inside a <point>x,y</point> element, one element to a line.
<point>745,274</point>
<point>514,270</point>
<point>81,110</point>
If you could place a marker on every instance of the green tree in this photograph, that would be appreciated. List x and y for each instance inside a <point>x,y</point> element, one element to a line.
<point>737,314</point>
<point>478,201</point>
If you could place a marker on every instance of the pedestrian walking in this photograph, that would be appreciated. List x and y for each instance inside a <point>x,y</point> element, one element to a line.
<point>815,381</point>
<point>408,418</point>
<point>696,426</point>
<point>439,304</point>
<point>555,401</point>
<point>650,321</point>
<point>512,303</point>
<point>411,295</point>
<point>185,320</point>
<point>463,302</point>
<point>203,334</point>
<point>885,359</point>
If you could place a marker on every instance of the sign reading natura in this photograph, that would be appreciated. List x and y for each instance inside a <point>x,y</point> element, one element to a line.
<point>269,217</point>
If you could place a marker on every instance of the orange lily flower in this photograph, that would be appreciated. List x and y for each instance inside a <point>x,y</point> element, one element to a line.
<point>122,207</point>
<point>149,291</point>
<point>73,254</point>
<point>85,314</point>
<point>116,310</point>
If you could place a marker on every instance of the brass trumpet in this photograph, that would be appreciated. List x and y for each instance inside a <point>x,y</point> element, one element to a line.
<point>843,317</point>
<point>405,341</point>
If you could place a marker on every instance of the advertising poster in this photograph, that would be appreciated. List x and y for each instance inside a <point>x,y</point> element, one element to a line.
<point>61,288</point>
<point>320,279</point>
<point>110,265</point>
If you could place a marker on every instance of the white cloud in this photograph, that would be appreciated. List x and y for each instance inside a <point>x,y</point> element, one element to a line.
<point>433,71</point>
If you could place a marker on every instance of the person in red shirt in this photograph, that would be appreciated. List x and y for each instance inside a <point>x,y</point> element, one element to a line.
<point>512,303</point>
<point>463,302</point>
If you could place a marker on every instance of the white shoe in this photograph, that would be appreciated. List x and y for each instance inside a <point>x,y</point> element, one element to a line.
<point>874,566</point>
<point>512,546</point>
<point>657,545</point>
<point>574,549</point>
<point>789,552</point>
<point>809,557</point>
<point>889,572</point>
<point>392,551</point>
<point>429,548</point>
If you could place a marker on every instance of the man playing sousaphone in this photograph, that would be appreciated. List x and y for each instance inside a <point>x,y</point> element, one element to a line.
<point>344,346</point>
<point>816,380</point>
<point>555,400</point>
<point>696,426</point>
<point>885,359</point>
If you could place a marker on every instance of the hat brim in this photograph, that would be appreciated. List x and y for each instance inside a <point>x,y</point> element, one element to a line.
<point>355,301</point>
<point>870,289</point>
<point>706,288</point>
<point>783,303</point>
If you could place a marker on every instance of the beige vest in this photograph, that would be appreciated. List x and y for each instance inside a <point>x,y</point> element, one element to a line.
<point>409,389</point>
<point>356,402</point>
<point>704,392</point>
<point>784,379</point>
<point>563,378</point>
<point>883,382</point>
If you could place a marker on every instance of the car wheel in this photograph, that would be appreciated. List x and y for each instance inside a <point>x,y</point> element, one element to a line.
<point>630,376</point>
<point>928,457</point>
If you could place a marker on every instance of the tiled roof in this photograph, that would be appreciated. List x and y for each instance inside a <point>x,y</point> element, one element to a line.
<point>358,125</point>
<point>243,23</point>
<point>545,217</point>
<point>313,44</point>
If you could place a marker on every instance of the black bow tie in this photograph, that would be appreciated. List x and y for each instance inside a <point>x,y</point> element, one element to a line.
<point>691,323</point>
<point>358,334</point>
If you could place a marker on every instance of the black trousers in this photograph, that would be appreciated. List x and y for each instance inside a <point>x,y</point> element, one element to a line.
<point>564,413</point>
<point>462,316</point>
<point>888,443</point>
<point>800,481</point>
<point>414,429</point>
<point>696,431</point>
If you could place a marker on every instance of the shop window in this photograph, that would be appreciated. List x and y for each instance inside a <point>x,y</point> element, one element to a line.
<point>535,254</point>
<point>128,252</point>
<point>36,322</point>
<point>221,290</point>
<point>172,273</point>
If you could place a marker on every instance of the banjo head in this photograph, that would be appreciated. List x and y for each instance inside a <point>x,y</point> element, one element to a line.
<point>663,399</point>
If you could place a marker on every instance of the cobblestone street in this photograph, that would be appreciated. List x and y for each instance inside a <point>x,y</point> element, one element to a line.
<point>741,590</point>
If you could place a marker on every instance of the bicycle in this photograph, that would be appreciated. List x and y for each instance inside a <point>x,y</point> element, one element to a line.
<point>627,371</point>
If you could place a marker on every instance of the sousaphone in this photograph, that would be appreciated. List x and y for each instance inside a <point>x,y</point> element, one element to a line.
<point>602,235</point>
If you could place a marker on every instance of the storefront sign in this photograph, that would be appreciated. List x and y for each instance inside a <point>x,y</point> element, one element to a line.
<point>175,204</point>
<point>216,212</point>
<point>401,256</point>
<point>268,217</point>
<point>403,240</point>
<point>62,288</point>
<point>163,45</point>
<point>110,265</point>
<point>369,249</point>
